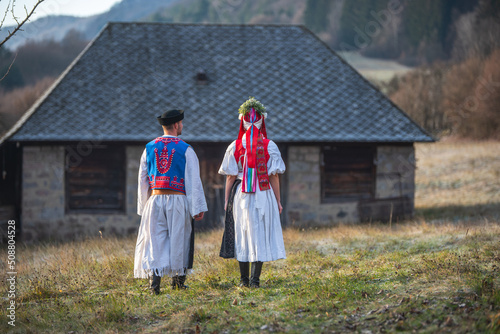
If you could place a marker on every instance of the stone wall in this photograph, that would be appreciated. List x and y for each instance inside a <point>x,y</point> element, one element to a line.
<point>304,197</point>
<point>395,182</point>
<point>395,172</point>
<point>43,194</point>
<point>43,214</point>
<point>394,188</point>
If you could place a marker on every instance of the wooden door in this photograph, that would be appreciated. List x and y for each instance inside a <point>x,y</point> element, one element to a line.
<point>210,157</point>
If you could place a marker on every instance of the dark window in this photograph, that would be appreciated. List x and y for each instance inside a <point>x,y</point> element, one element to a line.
<point>95,178</point>
<point>347,173</point>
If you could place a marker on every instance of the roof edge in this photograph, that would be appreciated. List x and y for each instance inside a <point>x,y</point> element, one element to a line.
<point>432,139</point>
<point>27,115</point>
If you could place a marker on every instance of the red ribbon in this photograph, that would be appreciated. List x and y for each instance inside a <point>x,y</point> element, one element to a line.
<point>251,142</point>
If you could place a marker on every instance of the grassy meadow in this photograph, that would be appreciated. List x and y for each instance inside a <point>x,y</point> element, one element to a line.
<point>438,272</point>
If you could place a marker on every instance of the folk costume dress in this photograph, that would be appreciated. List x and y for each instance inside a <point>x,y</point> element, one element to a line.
<point>257,234</point>
<point>165,240</point>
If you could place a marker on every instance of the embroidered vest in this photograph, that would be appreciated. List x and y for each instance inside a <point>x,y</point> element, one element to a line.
<point>261,163</point>
<point>166,158</point>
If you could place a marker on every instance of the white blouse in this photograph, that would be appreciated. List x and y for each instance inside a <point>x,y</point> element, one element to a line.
<point>229,166</point>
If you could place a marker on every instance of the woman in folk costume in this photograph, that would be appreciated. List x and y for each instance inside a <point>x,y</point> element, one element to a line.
<point>252,224</point>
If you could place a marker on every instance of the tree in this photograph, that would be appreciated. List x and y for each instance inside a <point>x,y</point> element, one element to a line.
<point>20,21</point>
<point>316,15</point>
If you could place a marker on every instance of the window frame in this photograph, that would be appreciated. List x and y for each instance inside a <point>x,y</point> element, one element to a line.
<point>83,151</point>
<point>340,198</point>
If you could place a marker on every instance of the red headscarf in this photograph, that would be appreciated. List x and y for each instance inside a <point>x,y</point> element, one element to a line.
<point>252,134</point>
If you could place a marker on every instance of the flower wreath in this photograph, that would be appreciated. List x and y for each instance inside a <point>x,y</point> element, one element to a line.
<point>252,103</point>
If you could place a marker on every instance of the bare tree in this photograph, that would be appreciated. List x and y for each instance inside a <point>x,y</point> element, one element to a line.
<point>20,21</point>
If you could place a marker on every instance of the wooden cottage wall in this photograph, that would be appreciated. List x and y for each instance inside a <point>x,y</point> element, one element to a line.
<point>10,185</point>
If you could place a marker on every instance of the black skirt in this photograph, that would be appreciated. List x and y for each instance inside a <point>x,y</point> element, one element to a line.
<point>191,246</point>
<point>227,247</point>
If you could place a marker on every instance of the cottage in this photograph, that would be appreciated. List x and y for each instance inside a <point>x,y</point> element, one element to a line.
<point>70,164</point>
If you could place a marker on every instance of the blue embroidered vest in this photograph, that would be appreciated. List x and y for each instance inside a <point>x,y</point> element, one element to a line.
<point>166,158</point>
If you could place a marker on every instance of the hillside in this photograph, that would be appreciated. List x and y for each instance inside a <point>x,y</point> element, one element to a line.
<point>410,32</point>
<point>56,27</point>
<point>378,71</point>
<point>413,33</point>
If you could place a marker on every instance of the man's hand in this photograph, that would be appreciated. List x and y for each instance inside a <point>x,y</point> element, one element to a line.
<point>199,216</point>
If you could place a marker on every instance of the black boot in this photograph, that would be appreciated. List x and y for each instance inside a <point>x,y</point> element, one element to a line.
<point>155,284</point>
<point>244,269</point>
<point>181,280</point>
<point>178,282</point>
<point>256,270</point>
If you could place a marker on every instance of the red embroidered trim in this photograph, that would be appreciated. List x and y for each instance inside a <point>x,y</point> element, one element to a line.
<point>167,140</point>
<point>239,154</point>
<point>164,182</point>
<point>261,164</point>
<point>164,160</point>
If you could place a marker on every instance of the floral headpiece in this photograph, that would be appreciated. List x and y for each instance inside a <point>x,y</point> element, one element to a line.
<point>248,110</point>
<point>252,103</point>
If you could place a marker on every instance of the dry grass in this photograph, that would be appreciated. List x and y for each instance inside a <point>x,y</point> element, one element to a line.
<point>457,179</point>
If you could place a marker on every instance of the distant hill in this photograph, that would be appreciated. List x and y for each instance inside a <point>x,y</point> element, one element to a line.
<point>410,32</point>
<point>56,27</point>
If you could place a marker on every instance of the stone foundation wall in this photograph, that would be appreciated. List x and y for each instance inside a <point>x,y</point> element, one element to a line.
<point>43,199</point>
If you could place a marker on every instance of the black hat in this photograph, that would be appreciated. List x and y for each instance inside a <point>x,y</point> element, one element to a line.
<point>171,117</point>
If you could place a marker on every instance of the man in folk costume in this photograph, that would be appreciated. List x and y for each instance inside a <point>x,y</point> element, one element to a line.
<point>251,164</point>
<point>170,196</point>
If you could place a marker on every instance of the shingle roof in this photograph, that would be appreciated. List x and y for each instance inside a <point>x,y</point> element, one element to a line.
<point>133,72</point>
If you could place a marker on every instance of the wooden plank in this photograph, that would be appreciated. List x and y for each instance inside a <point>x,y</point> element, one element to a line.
<point>381,209</point>
<point>348,177</point>
<point>348,172</point>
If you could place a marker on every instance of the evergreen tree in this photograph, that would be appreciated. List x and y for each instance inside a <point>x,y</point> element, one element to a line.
<point>9,71</point>
<point>316,15</point>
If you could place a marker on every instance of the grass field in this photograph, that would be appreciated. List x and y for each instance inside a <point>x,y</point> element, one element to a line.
<point>375,70</point>
<point>438,272</point>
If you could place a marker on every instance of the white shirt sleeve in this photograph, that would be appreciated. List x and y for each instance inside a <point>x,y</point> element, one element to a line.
<point>229,165</point>
<point>275,165</point>
<point>194,188</point>
<point>143,189</point>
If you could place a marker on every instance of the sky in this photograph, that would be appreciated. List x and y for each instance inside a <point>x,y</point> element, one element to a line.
<point>56,7</point>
